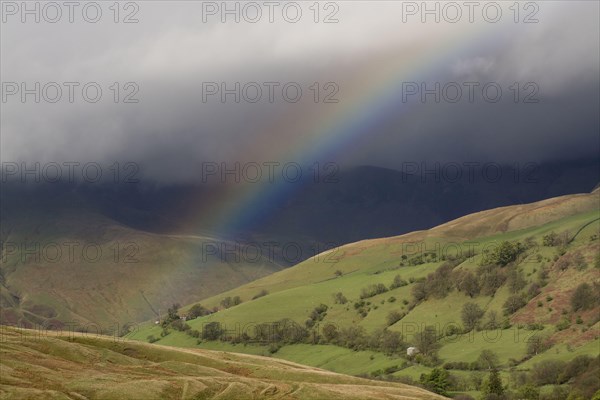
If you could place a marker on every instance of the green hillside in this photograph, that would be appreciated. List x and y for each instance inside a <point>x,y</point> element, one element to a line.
<point>60,365</point>
<point>529,274</point>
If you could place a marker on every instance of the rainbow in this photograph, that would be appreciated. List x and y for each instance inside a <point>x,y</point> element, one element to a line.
<point>375,95</point>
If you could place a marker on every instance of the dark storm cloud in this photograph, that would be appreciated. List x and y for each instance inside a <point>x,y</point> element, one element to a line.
<point>171,52</point>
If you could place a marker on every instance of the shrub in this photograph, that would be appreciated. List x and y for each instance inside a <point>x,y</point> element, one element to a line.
<point>372,290</point>
<point>339,298</point>
<point>262,293</point>
<point>550,240</point>
<point>228,301</point>
<point>563,324</point>
<point>319,313</point>
<point>393,317</point>
<point>398,282</point>
<point>152,339</point>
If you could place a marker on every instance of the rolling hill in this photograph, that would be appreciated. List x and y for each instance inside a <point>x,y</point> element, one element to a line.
<point>63,365</point>
<point>519,267</point>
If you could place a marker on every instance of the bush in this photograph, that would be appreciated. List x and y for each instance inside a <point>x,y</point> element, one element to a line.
<point>228,302</point>
<point>373,290</point>
<point>550,240</point>
<point>339,298</point>
<point>262,293</point>
<point>393,317</point>
<point>398,282</point>
<point>152,339</point>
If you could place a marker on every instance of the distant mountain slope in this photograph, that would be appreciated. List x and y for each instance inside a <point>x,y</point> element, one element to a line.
<point>78,268</point>
<point>73,366</point>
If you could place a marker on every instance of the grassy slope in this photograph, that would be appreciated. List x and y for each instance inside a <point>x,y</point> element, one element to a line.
<point>294,292</point>
<point>67,366</point>
<point>138,273</point>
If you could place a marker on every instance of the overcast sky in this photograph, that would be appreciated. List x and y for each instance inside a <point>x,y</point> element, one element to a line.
<point>373,55</point>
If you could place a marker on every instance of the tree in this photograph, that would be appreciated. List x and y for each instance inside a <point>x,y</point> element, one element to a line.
<point>516,280</point>
<point>493,384</point>
<point>197,310</point>
<point>426,341</point>
<point>437,381</point>
<point>212,331</point>
<point>172,313</point>
<point>419,291</point>
<point>391,342</point>
<point>487,359</point>
<point>330,332</point>
<point>468,283</point>
<point>513,303</point>
<point>505,253</point>
<point>492,320</point>
<point>583,297</point>
<point>471,314</point>
<point>536,344</point>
